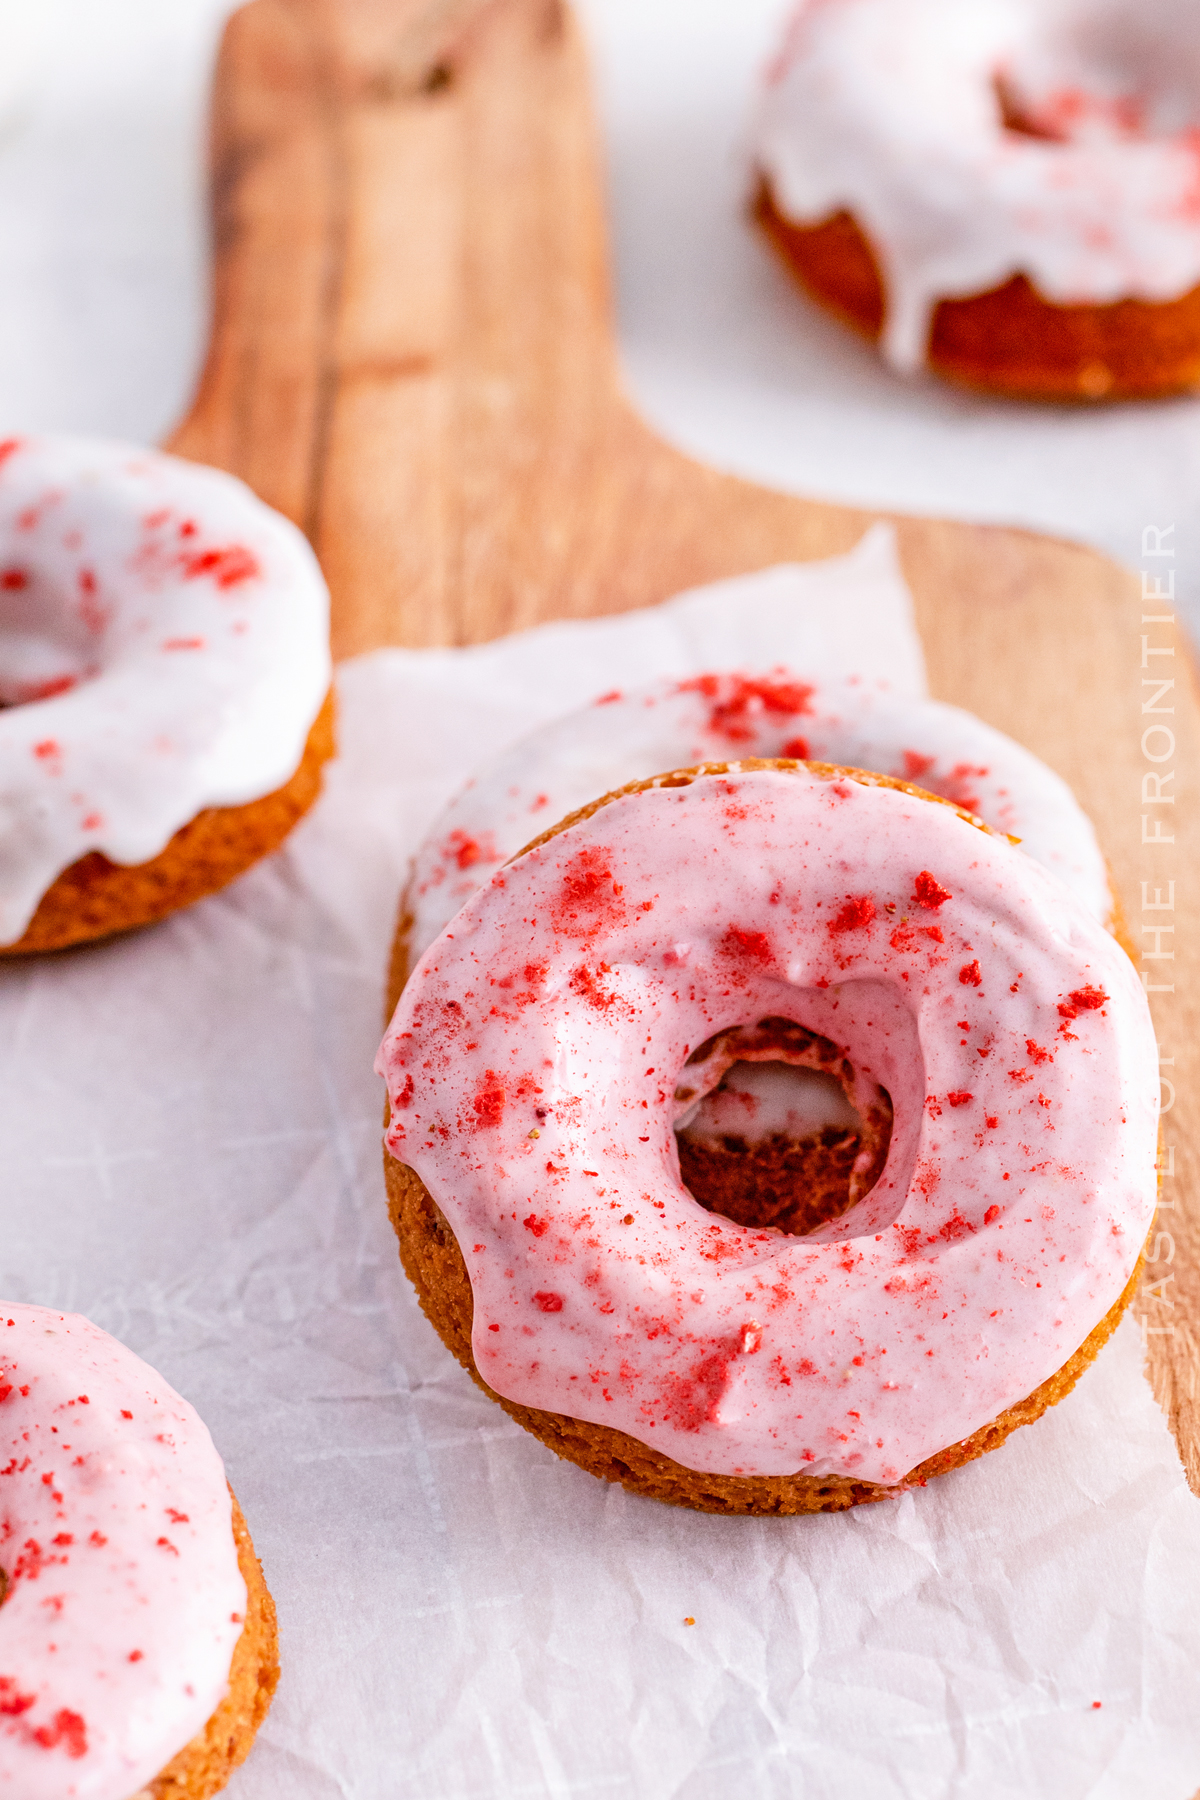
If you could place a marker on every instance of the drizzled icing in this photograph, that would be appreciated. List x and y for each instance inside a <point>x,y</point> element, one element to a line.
<point>531,1067</point>
<point>163,648</point>
<point>677,724</point>
<point>124,1596</point>
<point>892,110</point>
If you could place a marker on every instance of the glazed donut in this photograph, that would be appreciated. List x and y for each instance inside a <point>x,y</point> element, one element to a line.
<point>531,1069</point>
<point>676,724</point>
<point>1005,190</point>
<point>164,682</point>
<point>138,1646</point>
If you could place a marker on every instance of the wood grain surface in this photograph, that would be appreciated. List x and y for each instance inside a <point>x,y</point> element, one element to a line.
<point>412,355</point>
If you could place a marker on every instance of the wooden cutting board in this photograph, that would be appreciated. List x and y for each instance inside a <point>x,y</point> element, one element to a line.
<point>412,355</point>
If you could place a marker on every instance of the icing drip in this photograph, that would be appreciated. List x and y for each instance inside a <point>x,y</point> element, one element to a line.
<point>891,110</point>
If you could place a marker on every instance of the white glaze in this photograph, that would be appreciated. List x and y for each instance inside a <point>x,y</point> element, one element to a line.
<point>164,646</point>
<point>125,1599</point>
<point>531,1067</point>
<point>761,1100</point>
<point>677,724</point>
<point>889,109</point>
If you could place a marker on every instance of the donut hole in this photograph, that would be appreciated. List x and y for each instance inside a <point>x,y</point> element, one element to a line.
<point>773,1132</point>
<point>49,639</point>
<point>1108,73</point>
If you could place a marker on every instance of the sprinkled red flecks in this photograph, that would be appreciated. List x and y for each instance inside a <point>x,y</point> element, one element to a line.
<point>12,1701</point>
<point>464,852</point>
<point>971,975</point>
<point>856,915</point>
<point>228,567</point>
<point>589,985</point>
<point>746,946</point>
<point>68,1730</point>
<point>738,701</point>
<point>488,1101</point>
<point>929,892</point>
<point>1084,999</point>
<point>589,896</point>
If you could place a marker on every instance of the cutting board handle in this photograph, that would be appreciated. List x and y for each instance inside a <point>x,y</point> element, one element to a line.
<point>412,355</point>
<point>411,352</point>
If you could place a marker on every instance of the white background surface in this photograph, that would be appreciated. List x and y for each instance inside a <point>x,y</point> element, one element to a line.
<point>102,302</point>
<point>191,1128</point>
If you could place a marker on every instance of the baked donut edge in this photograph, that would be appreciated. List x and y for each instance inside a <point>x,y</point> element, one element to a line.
<point>95,898</point>
<point>206,1762</point>
<point>1009,341</point>
<point>433,1262</point>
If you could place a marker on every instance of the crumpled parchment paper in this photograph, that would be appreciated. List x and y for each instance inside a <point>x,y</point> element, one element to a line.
<point>191,1150</point>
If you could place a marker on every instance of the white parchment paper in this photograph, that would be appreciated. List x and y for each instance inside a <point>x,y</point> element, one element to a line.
<point>191,1156</point>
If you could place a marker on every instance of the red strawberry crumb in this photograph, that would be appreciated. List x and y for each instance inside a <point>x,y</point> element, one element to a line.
<point>929,892</point>
<point>488,1102</point>
<point>68,1729</point>
<point>855,915</point>
<point>1084,999</point>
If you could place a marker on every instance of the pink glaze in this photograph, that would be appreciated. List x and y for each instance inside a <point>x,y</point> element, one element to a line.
<point>710,717</point>
<point>891,110</point>
<point>125,1600</point>
<point>531,1066</point>
<point>163,648</point>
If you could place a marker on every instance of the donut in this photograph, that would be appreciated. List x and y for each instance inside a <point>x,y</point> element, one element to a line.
<point>531,1069</point>
<point>673,724</point>
<point>165,699</point>
<point>1003,191</point>
<point>138,1644</point>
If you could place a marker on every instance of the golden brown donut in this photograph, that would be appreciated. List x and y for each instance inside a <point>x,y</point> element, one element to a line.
<point>434,1264</point>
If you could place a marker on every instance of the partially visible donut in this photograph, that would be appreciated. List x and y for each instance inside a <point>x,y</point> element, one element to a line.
<point>138,1643</point>
<point>673,724</point>
<point>165,704</point>
<point>736,1369</point>
<point>1005,192</point>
